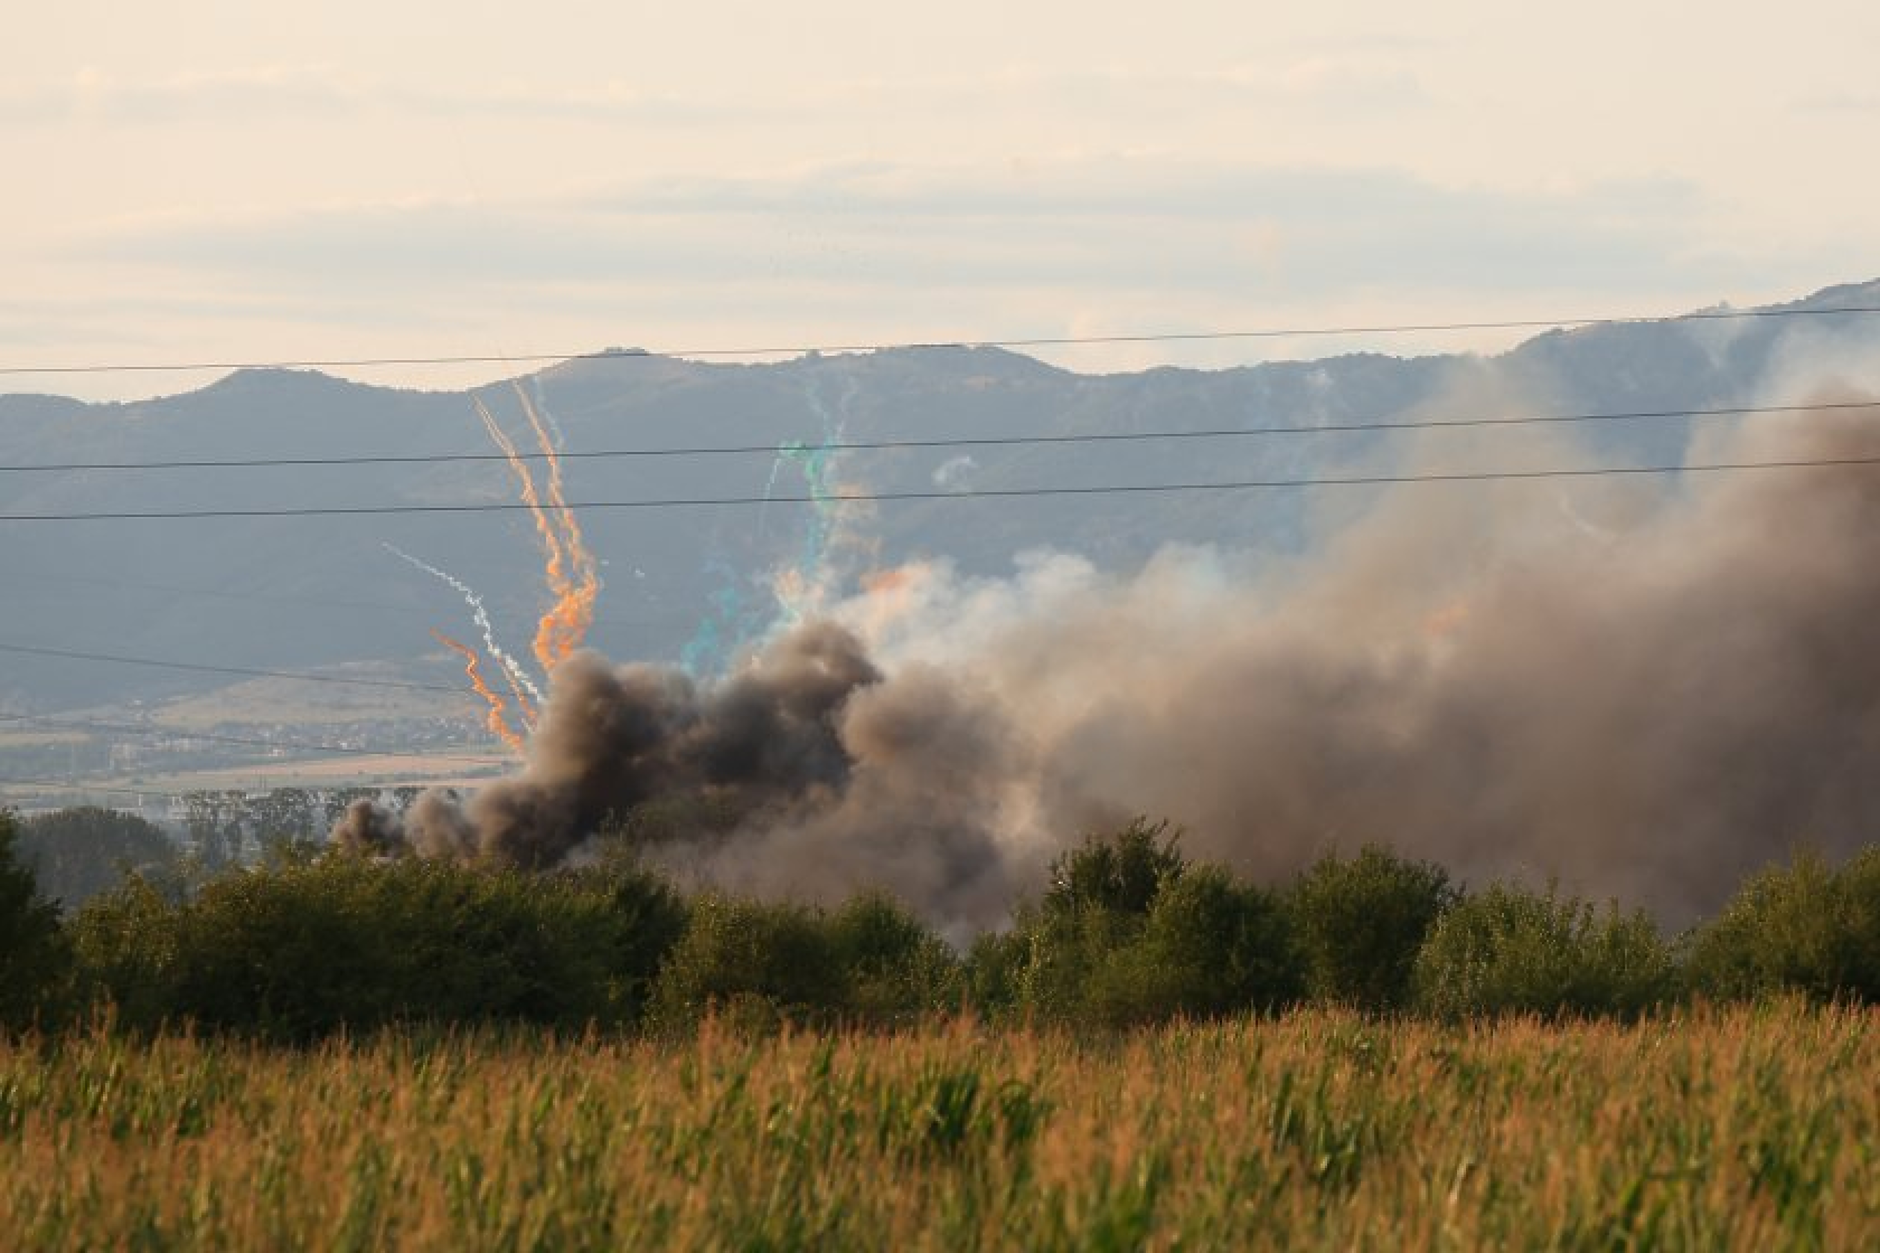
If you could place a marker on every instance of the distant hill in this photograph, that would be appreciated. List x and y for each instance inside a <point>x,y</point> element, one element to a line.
<point>688,583</point>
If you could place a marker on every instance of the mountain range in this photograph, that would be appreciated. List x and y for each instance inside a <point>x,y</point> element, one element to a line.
<point>692,584</point>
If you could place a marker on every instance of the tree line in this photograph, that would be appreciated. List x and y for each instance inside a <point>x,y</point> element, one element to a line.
<point>1128,931</point>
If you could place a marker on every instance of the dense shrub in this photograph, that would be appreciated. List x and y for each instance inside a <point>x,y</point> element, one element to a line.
<point>895,967</point>
<point>1804,927</point>
<point>1129,932</point>
<point>1511,950</point>
<point>870,962</point>
<point>1126,932</point>
<point>299,950</point>
<point>1360,923</point>
<point>1118,874</point>
<point>1097,904</point>
<point>1209,946</point>
<point>33,950</point>
<point>992,977</point>
<point>127,944</point>
<point>734,952</point>
<point>1057,954</point>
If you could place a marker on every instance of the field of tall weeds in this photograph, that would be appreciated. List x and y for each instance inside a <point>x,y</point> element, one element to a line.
<point>1749,1126</point>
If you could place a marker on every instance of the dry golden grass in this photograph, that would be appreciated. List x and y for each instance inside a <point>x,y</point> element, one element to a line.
<point>1739,1128</point>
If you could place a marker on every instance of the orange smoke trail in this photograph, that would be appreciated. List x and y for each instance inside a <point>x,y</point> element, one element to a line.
<point>497,722</point>
<point>559,584</point>
<point>565,625</point>
<point>523,707</point>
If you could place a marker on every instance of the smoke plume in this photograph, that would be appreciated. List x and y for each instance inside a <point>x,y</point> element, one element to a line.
<point>1645,688</point>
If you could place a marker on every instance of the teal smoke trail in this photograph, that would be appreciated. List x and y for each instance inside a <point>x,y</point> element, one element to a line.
<point>733,620</point>
<point>816,463</point>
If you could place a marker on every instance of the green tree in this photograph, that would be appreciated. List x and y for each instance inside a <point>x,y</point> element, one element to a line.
<point>1120,873</point>
<point>1361,921</point>
<point>746,956</point>
<point>1130,932</point>
<point>297,950</point>
<point>77,853</point>
<point>1512,950</point>
<point>1209,946</point>
<point>1804,927</point>
<point>33,950</point>
<point>895,967</point>
<point>214,822</point>
<point>1098,902</point>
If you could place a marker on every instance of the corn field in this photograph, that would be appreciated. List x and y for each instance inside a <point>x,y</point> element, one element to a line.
<point>1747,1127</point>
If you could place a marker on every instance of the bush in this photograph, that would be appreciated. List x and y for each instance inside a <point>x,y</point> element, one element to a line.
<point>993,974</point>
<point>760,963</point>
<point>1130,933</point>
<point>1097,904</point>
<point>1059,955</point>
<point>895,968</point>
<point>1360,924</point>
<point>1209,946</point>
<point>1803,927</point>
<point>126,944</point>
<point>1510,950</point>
<point>1119,874</point>
<point>33,952</point>
<point>297,951</point>
<point>739,950</point>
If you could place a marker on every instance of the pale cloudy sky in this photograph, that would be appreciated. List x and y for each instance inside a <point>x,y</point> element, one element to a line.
<point>256,181</point>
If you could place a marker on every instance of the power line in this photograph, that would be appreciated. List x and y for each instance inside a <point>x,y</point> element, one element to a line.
<point>179,733</point>
<point>410,611</point>
<point>1051,341</point>
<point>1109,489</point>
<point>36,651</point>
<point>982,441</point>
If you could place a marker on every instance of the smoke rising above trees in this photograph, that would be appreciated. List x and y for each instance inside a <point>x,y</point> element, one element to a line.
<point>1648,692</point>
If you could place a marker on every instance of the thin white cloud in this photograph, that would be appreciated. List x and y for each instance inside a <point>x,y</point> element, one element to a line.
<point>1100,225</point>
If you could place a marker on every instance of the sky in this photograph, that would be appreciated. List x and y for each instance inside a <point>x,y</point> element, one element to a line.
<point>261,182</point>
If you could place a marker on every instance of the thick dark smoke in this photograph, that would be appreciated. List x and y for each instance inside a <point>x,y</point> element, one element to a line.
<point>1647,691</point>
<point>613,739</point>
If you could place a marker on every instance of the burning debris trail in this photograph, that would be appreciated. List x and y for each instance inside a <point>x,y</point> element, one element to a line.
<point>554,571</point>
<point>571,571</point>
<point>1649,695</point>
<point>498,719</point>
<point>565,626</point>
<point>518,678</point>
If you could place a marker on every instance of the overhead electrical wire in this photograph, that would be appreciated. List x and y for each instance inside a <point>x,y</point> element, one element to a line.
<point>34,650</point>
<point>1106,489</point>
<point>1041,341</point>
<point>979,441</point>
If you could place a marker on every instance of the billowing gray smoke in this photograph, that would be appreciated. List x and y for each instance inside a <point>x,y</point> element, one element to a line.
<point>1647,691</point>
<point>612,740</point>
